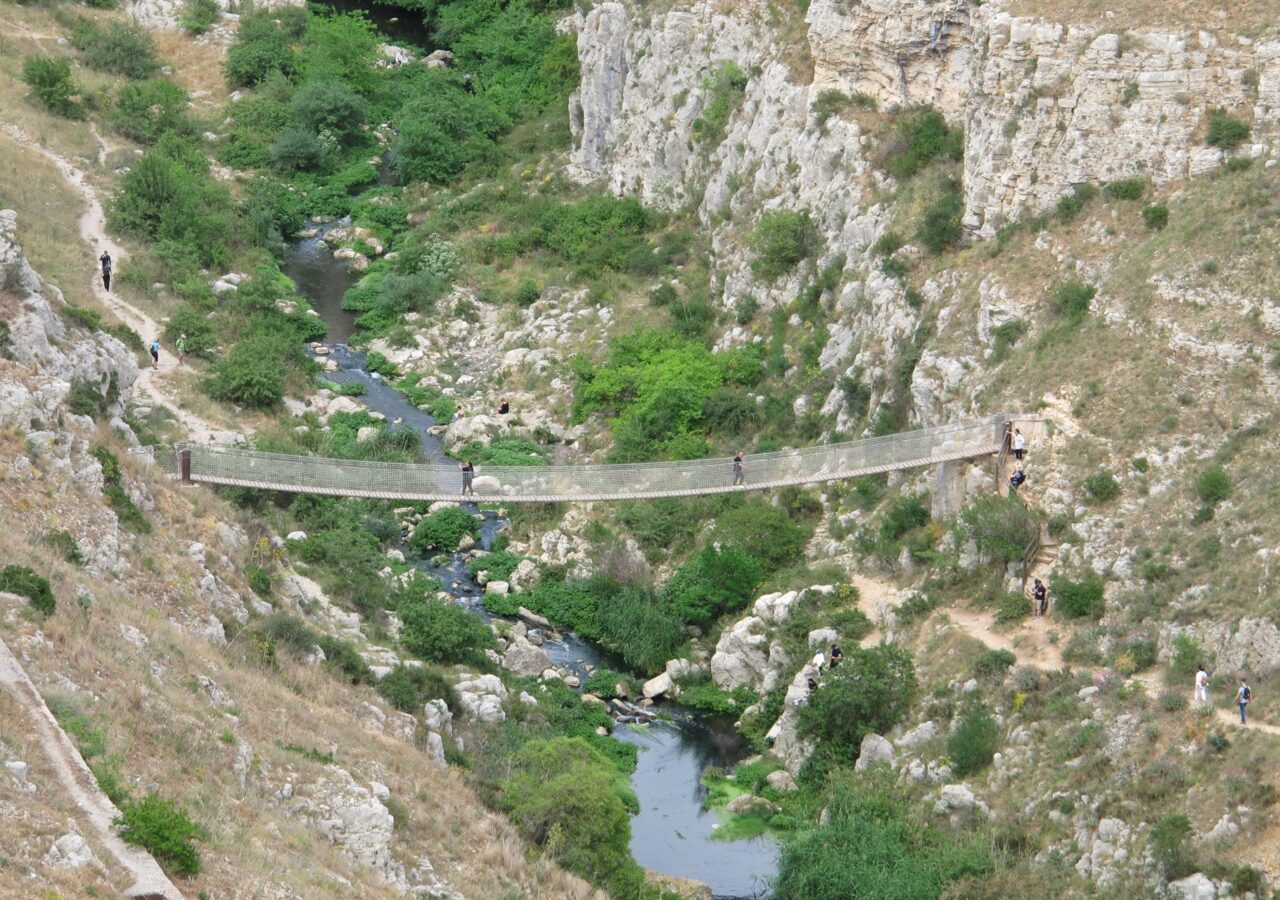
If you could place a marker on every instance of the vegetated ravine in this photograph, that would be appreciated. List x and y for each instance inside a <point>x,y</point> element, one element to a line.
<point>672,833</point>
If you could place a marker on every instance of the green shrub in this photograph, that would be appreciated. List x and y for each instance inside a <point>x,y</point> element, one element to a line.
<point>870,691</point>
<point>1126,189</point>
<point>1004,337</point>
<point>262,48</point>
<point>85,399</point>
<point>603,683</point>
<point>440,631</point>
<point>1213,485</point>
<point>1188,657</point>
<point>499,564</point>
<point>724,88</point>
<point>164,830</point>
<point>198,16</point>
<point>1101,487</point>
<point>252,374</point>
<point>638,626</point>
<point>1012,607</point>
<point>566,796</point>
<point>113,490</point>
<point>1143,653</point>
<point>298,150</point>
<point>146,110</point>
<point>119,48</point>
<point>973,744</point>
<point>50,81</point>
<point>65,544</point>
<point>1224,130</point>
<point>528,292</point>
<point>1171,846</point>
<point>1070,205</point>
<point>781,239</point>
<point>598,233</point>
<point>1071,300</point>
<point>765,532</point>
<point>995,662</point>
<point>921,136</point>
<point>1156,216</point>
<point>713,582</point>
<point>508,451</point>
<point>24,582</point>
<point>409,689</point>
<point>903,515</point>
<point>330,106</point>
<point>942,225</point>
<point>443,530</point>
<point>1080,599</point>
<point>443,129</point>
<point>871,847</point>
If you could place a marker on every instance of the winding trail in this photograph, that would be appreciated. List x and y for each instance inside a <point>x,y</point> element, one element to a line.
<point>93,231</point>
<point>148,882</point>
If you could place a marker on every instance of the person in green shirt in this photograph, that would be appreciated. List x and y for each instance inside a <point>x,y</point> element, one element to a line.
<point>182,347</point>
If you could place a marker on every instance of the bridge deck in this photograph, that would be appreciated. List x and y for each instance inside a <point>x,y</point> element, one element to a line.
<point>968,439</point>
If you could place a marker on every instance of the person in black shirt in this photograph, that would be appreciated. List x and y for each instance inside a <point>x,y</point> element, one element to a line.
<point>468,473</point>
<point>1040,598</point>
<point>105,260</point>
<point>1016,479</point>
<point>836,656</point>
<point>739,469</point>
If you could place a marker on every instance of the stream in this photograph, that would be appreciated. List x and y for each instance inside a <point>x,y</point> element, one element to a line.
<point>672,833</point>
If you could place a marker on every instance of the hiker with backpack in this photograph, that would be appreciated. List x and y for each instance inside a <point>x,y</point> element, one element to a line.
<point>155,353</point>
<point>1243,696</point>
<point>1016,479</point>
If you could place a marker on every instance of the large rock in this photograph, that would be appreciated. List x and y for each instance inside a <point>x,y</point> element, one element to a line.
<point>1194,887</point>
<point>482,697</point>
<point>875,750</point>
<point>71,851</point>
<point>742,655</point>
<point>657,686</point>
<point>523,658</point>
<point>921,734</point>
<point>958,798</point>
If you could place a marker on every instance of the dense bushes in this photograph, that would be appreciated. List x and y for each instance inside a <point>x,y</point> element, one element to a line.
<point>164,830</point>
<point>51,83</point>
<point>781,239</point>
<point>252,374</point>
<point>264,46</point>
<point>1213,485</point>
<point>145,111</point>
<point>764,531</point>
<point>921,136</point>
<point>169,195</point>
<point>714,581</point>
<point>1224,130</point>
<point>1071,300</point>
<point>566,796</point>
<point>113,489</point>
<point>973,743</point>
<point>1126,189</point>
<point>444,129</point>
<point>869,692</point>
<point>871,848</point>
<point>443,530</point>
<point>1002,528</point>
<point>440,631</point>
<point>119,48</point>
<point>1080,599</point>
<point>942,225</point>
<point>408,689</point>
<point>198,16</point>
<point>724,89</point>
<point>24,582</point>
<point>1101,487</point>
<point>597,233</point>
<point>1156,216</point>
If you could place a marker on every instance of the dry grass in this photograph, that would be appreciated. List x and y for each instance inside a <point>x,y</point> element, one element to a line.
<point>1253,18</point>
<point>48,221</point>
<point>197,67</point>
<point>168,732</point>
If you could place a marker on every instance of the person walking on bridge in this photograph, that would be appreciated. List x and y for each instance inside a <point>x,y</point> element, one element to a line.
<point>739,470</point>
<point>468,473</point>
<point>105,261</point>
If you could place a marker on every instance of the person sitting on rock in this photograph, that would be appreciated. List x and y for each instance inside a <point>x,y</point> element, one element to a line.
<point>503,408</point>
<point>836,655</point>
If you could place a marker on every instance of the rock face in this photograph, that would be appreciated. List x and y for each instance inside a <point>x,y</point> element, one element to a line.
<point>874,751</point>
<point>1246,645</point>
<point>482,697</point>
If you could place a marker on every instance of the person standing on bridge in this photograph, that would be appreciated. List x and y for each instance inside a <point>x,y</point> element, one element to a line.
<point>1243,696</point>
<point>1019,445</point>
<point>468,473</point>
<point>739,470</point>
<point>105,261</point>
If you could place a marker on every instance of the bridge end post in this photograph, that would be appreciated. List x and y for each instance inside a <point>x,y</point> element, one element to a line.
<point>184,464</point>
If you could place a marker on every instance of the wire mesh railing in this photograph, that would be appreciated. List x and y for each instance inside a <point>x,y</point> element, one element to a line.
<point>623,481</point>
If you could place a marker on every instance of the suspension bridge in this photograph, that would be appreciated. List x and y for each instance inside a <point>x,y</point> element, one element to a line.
<point>962,440</point>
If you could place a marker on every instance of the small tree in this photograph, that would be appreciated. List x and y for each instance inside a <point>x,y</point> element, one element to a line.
<point>781,239</point>
<point>443,530</point>
<point>1071,300</point>
<point>164,830</point>
<point>51,83</point>
<point>1002,528</point>
<point>25,582</point>
<point>439,631</point>
<point>870,691</point>
<point>1225,130</point>
<point>1213,485</point>
<point>1156,216</point>
<point>1080,599</point>
<point>973,744</point>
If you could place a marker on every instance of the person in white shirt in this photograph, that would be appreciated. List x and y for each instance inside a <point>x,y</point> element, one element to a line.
<point>1019,445</point>
<point>1202,687</point>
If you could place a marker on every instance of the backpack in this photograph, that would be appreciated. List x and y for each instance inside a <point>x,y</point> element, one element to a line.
<point>1246,694</point>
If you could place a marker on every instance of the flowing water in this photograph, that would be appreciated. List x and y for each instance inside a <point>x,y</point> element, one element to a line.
<point>672,833</point>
